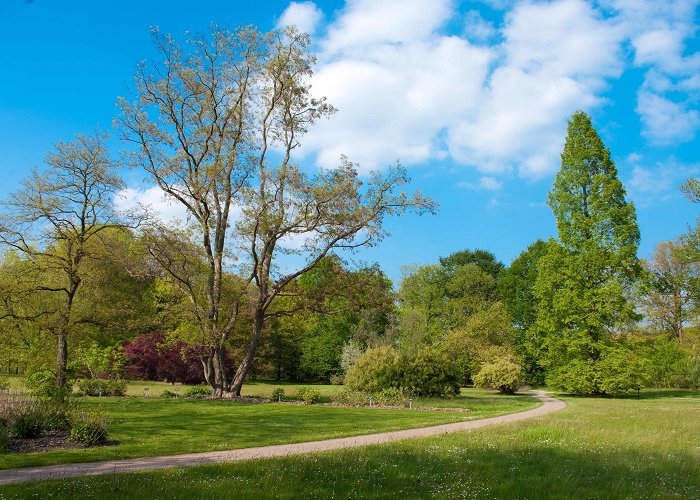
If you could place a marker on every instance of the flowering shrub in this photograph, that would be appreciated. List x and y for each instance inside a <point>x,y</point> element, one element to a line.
<point>89,428</point>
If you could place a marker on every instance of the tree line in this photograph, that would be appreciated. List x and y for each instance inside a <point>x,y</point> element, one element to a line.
<point>252,284</point>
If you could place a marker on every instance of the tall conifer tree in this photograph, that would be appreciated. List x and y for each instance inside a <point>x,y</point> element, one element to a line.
<point>584,281</point>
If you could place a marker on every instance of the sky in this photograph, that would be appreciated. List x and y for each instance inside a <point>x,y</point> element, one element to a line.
<point>471,97</point>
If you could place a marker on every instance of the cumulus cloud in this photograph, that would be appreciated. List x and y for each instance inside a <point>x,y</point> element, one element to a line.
<point>306,16</point>
<point>406,90</point>
<point>486,183</point>
<point>496,95</point>
<point>658,181</point>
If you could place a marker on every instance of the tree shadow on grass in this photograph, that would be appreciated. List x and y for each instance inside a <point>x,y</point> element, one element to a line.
<point>421,469</point>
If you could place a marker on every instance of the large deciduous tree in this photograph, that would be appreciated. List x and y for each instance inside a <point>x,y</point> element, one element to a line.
<point>585,280</point>
<point>216,124</point>
<point>53,222</point>
<point>669,302</point>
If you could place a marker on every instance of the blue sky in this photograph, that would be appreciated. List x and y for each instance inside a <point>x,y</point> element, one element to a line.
<point>472,97</point>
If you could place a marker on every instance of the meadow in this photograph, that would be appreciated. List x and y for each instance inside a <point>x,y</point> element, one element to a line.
<point>595,448</point>
<point>153,426</point>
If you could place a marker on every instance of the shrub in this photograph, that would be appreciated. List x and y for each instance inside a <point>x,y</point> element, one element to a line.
<point>278,394</point>
<point>503,375</point>
<point>376,369</point>
<point>391,397</point>
<point>152,357</point>
<point>337,379</point>
<point>43,384</point>
<point>4,383</point>
<point>99,387</point>
<point>25,416</point>
<point>89,428</point>
<point>167,395</point>
<point>309,395</point>
<point>427,372</point>
<point>198,390</point>
<point>388,397</point>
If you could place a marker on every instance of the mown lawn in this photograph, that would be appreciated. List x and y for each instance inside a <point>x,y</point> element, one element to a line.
<point>595,448</point>
<point>151,426</point>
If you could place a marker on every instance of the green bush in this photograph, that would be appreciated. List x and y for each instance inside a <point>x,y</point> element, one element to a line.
<point>29,424</point>
<point>43,384</point>
<point>4,383</point>
<point>503,375</point>
<point>99,387</point>
<point>167,395</point>
<point>388,397</point>
<point>391,397</point>
<point>278,394</point>
<point>376,369</point>
<point>428,372</point>
<point>89,428</point>
<point>198,390</point>
<point>309,395</point>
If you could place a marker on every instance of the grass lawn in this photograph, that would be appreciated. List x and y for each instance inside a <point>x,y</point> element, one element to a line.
<point>152,426</point>
<point>595,448</point>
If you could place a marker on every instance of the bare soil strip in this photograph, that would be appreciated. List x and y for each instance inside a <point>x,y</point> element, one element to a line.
<point>150,463</point>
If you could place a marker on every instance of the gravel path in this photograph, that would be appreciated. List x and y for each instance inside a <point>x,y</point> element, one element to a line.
<point>149,463</point>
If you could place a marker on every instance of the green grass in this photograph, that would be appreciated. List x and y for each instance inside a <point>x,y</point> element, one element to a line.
<point>152,426</point>
<point>595,448</point>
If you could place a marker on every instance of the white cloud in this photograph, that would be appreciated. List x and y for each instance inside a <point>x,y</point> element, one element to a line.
<point>665,121</point>
<point>306,16</point>
<point>650,183</point>
<point>486,183</point>
<point>154,199</point>
<point>406,89</point>
<point>476,28</point>
<point>659,34</point>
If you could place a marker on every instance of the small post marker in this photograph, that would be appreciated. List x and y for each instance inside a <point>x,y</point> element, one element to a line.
<point>370,401</point>
<point>410,403</point>
<point>145,392</point>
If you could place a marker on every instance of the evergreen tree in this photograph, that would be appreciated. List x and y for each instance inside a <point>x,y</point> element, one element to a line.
<point>584,281</point>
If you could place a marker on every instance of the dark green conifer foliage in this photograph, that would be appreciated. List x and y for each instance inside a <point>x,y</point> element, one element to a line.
<point>584,280</point>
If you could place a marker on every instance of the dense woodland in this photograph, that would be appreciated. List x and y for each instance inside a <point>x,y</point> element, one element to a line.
<point>255,284</point>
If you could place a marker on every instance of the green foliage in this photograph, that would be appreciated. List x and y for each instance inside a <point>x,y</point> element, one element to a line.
<point>168,395</point>
<point>618,371</point>
<point>102,387</point>
<point>503,375</point>
<point>585,281</point>
<point>198,391</point>
<point>4,383</point>
<point>483,259</point>
<point>42,383</point>
<point>98,360</point>
<point>428,372</point>
<point>278,394</point>
<point>387,397</point>
<point>376,369</point>
<point>309,395</point>
<point>89,428</point>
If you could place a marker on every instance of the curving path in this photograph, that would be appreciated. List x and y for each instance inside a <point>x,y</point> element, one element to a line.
<point>149,463</point>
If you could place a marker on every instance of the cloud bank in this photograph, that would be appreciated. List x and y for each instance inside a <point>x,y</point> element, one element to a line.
<point>421,81</point>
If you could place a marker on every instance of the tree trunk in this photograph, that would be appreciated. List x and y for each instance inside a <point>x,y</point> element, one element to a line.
<point>247,362</point>
<point>61,363</point>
